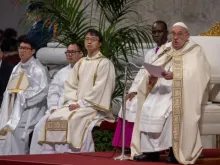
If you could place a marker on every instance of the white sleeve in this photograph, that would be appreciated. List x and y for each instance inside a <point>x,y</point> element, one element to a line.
<point>141,72</point>
<point>137,80</point>
<point>54,93</point>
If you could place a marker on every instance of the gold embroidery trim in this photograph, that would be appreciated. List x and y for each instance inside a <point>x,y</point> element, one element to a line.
<point>4,131</point>
<point>56,125</point>
<point>16,90</point>
<point>66,130</point>
<point>74,100</point>
<point>95,74</point>
<point>97,105</point>
<point>20,80</point>
<point>177,99</point>
<point>80,62</point>
<point>84,130</point>
<point>177,105</point>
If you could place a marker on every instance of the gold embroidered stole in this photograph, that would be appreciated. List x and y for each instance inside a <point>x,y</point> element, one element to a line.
<point>177,99</point>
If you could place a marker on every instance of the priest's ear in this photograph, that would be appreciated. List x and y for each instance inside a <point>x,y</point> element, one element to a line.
<point>80,54</point>
<point>33,51</point>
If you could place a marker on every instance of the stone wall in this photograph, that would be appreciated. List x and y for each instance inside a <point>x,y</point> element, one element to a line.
<point>199,15</point>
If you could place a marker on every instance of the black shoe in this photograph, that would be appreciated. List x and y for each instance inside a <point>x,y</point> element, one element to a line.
<point>148,157</point>
<point>154,156</point>
<point>141,158</point>
<point>171,158</point>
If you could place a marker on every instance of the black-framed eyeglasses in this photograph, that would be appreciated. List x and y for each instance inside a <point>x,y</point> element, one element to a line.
<point>173,34</point>
<point>72,52</point>
<point>93,39</point>
<point>24,48</point>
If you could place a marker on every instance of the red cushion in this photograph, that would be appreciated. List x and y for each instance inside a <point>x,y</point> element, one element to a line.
<point>105,125</point>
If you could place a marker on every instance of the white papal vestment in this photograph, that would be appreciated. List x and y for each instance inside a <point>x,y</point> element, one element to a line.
<point>173,107</point>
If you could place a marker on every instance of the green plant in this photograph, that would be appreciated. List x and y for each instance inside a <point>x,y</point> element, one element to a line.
<point>103,140</point>
<point>122,35</point>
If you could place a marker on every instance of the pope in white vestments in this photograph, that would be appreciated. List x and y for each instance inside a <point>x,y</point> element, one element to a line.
<point>24,102</point>
<point>55,99</point>
<point>159,35</point>
<point>87,96</point>
<point>169,108</point>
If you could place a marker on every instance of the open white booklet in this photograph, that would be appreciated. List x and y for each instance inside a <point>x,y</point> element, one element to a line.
<point>154,70</point>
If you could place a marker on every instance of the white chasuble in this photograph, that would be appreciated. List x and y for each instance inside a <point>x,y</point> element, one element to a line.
<point>188,87</point>
<point>92,81</point>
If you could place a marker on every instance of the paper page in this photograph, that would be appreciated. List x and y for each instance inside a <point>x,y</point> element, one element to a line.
<point>154,70</point>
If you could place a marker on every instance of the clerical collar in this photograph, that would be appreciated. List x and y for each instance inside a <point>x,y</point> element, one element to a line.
<point>26,64</point>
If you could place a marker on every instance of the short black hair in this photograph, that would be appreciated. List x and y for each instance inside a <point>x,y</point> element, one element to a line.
<point>20,38</point>
<point>27,40</point>
<point>9,45</point>
<point>96,33</point>
<point>161,22</point>
<point>80,47</point>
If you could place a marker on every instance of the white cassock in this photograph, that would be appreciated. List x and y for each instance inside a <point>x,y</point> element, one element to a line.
<point>91,85</point>
<point>22,108</point>
<point>55,100</point>
<point>131,106</point>
<point>172,108</point>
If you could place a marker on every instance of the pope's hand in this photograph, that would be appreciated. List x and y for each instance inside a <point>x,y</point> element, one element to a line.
<point>74,107</point>
<point>167,75</point>
<point>130,96</point>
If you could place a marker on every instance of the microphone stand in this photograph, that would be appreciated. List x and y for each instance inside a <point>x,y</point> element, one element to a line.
<point>123,156</point>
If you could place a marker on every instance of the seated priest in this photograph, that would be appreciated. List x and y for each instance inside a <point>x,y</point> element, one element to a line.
<point>170,105</point>
<point>55,93</point>
<point>87,98</point>
<point>24,101</point>
<point>159,34</point>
